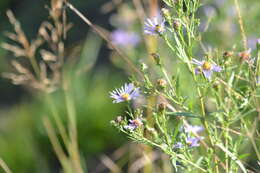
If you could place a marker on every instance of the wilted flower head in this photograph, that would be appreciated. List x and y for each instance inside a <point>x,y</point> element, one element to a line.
<point>176,24</point>
<point>119,119</point>
<point>154,26</point>
<point>227,54</point>
<point>133,124</point>
<point>206,67</point>
<point>125,93</point>
<point>245,55</point>
<point>162,106</point>
<point>193,129</point>
<point>156,58</point>
<point>193,141</point>
<point>161,83</point>
<point>124,38</point>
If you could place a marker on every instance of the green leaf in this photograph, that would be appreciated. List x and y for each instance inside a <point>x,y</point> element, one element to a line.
<point>168,3</point>
<point>244,156</point>
<point>174,163</point>
<point>89,53</point>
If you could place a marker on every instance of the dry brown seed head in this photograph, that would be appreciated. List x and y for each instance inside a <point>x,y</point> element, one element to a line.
<point>244,55</point>
<point>119,119</point>
<point>176,24</point>
<point>162,106</point>
<point>137,122</point>
<point>227,54</point>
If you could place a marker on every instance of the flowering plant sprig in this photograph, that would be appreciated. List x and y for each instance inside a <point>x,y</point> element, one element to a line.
<point>226,101</point>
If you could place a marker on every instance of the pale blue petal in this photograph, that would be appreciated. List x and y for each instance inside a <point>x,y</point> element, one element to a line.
<point>207,73</point>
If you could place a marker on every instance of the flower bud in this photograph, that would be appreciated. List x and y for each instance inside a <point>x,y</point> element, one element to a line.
<point>245,55</point>
<point>119,119</point>
<point>161,83</point>
<point>162,106</point>
<point>156,58</point>
<point>144,67</point>
<point>176,24</point>
<point>227,54</point>
<point>166,13</point>
<point>216,85</point>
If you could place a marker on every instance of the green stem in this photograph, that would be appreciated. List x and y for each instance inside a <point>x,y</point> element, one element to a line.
<point>57,120</point>
<point>167,78</point>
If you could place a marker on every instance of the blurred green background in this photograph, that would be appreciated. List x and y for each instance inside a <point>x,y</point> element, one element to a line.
<point>24,144</point>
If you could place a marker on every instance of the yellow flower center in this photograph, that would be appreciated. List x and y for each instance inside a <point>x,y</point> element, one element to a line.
<point>158,28</point>
<point>125,96</point>
<point>189,142</point>
<point>206,66</point>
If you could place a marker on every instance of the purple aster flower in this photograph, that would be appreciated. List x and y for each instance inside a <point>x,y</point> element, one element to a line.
<point>193,129</point>
<point>193,141</point>
<point>124,38</point>
<point>125,93</point>
<point>258,80</point>
<point>206,67</point>
<point>154,26</point>
<point>133,124</point>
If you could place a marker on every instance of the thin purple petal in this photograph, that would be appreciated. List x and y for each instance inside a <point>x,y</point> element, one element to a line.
<point>207,73</point>
<point>216,68</point>
<point>199,63</point>
<point>125,93</point>
<point>130,127</point>
<point>150,26</point>
<point>197,71</point>
<point>193,129</point>
<point>178,145</point>
<point>194,141</point>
